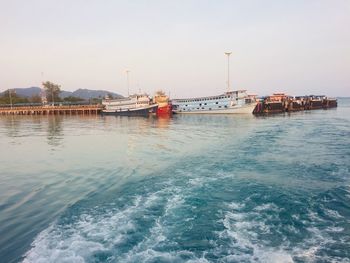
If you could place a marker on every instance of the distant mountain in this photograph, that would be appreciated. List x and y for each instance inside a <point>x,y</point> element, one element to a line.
<point>89,94</point>
<point>81,93</point>
<point>65,94</point>
<point>28,92</point>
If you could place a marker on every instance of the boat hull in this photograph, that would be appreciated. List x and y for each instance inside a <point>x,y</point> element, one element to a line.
<point>164,110</point>
<point>239,109</point>
<point>132,112</point>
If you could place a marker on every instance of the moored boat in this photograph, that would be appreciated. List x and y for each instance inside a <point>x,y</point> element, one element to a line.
<point>164,106</point>
<point>135,105</point>
<point>280,102</point>
<point>233,102</point>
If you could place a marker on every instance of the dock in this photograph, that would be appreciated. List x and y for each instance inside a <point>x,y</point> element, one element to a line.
<point>279,103</point>
<point>52,110</point>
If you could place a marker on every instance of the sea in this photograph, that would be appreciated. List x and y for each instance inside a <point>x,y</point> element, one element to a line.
<point>190,188</point>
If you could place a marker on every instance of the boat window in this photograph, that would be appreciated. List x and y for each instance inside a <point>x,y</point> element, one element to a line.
<point>209,108</point>
<point>219,106</point>
<point>216,102</point>
<point>205,103</point>
<point>225,106</point>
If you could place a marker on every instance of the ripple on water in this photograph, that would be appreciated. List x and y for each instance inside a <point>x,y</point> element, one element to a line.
<point>193,189</point>
<point>152,223</point>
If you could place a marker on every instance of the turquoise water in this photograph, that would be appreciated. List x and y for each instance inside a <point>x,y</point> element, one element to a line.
<point>186,189</point>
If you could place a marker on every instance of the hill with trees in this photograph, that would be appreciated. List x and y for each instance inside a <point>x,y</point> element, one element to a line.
<point>53,93</point>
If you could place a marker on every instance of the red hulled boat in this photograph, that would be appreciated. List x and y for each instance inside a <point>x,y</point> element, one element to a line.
<point>164,106</point>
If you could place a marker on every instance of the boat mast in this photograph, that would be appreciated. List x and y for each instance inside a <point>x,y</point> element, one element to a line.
<point>228,70</point>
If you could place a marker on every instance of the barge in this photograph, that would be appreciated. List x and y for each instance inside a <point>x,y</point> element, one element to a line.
<point>280,102</point>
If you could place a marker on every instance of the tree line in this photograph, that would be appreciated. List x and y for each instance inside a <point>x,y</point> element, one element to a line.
<point>52,95</point>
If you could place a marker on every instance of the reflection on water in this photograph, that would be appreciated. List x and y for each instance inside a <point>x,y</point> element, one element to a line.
<point>11,124</point>
<point>163,122</point>
<point>55,130</point>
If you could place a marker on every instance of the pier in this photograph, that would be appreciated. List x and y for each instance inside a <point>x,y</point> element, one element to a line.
<point>52,110</point>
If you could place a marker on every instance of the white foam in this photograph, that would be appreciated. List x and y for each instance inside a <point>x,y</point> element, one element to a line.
<point>317,240</point>
<point>240,230</point>
<point>73,249</point>
<point>96,231</point>
<point>146,248</point>
<point>236,206</point>
<point>268,206</point>
<point>150,255</point>
<point>196,181</point>
<point>333,213</point>
<point>335,229</point>
<point>198,260</point>
<point>90,234</point>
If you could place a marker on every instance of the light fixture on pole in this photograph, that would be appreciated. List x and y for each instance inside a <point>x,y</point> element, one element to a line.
<point>10,98</point>
<point>228,70</point>
<point>128,82</point>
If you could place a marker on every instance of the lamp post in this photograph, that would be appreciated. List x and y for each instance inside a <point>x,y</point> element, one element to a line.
<point>127,81</point>
<point>10,98</point>
<point>43,92</point>
<point>228,70</point>
<point>53,103</point>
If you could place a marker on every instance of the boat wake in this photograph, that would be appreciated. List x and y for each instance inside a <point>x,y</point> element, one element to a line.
<point>170,221</point>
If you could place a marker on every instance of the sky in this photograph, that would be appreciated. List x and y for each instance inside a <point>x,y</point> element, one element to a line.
<point>297,46</point>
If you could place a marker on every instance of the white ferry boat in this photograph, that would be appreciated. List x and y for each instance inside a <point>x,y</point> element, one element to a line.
<point>230,102</point>
<point>135,105</point>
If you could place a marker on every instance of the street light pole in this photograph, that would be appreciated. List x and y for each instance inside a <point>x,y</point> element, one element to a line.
<point>127,81</point>
<point>53,102</point>
<point>228,70</point>
<point>10,98</point>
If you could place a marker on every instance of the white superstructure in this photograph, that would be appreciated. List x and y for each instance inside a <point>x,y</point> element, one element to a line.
<point>230,102</point>
<point>141,103</point>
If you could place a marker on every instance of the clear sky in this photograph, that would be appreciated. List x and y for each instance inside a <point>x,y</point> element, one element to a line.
<point>297,46</point>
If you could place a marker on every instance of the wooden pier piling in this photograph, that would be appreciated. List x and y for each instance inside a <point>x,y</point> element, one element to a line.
<point>52,110</point>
